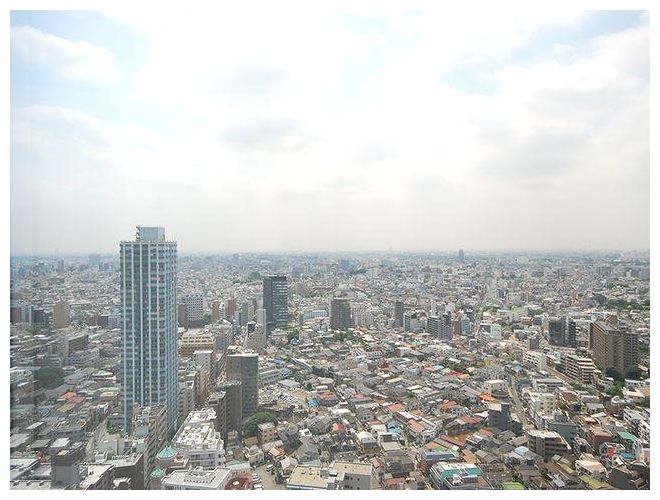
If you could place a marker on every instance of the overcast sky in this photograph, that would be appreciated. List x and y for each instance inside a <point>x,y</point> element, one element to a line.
<point>265,128</point>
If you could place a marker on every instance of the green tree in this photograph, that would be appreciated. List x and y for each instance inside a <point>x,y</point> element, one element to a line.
<point>250,427</point>
<point>112,428</point>
<point>49,378</point>
<point>342,335</point>
<point>616,375</point>
<point>634,373</point>
<point>616,389</point>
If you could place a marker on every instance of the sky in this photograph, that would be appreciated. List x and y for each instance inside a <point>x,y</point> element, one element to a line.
<point>296,127</point>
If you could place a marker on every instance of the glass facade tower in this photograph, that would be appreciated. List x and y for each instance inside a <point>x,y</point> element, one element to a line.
<point>276,296</point>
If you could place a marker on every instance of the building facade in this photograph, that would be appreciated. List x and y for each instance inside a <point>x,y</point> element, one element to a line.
<point>613,347</point>
<point>194,303</point>
<point>276,301</point>
<point>245,367</point>
<point>340,314</point>
<point>149,324</point>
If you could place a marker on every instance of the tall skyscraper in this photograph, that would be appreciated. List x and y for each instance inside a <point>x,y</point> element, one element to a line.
<point>245,367</point>
<point>276,302</point>
<point>461,255</point>
<point>149,324</point>
<point>340,314</point>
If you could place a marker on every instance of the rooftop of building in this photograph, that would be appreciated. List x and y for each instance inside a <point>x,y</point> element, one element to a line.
<point>30,485</point>
<point>211,479</point>
<point>93,473</point>
<point>352,467</point>
<point>166,453</point>
<point>308,476</point>
<point>199,435</point>
<point>544,434</point>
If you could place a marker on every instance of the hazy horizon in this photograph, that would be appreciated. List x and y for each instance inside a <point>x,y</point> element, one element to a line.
<point>392,251</point>
<point>404,129</point>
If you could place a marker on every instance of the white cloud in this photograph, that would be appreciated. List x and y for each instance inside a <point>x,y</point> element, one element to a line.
<point>289,142</point>
<point>70,60</point>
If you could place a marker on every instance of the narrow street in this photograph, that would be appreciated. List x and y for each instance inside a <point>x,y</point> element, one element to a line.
<point>98,436</point>
<point>520,410</point>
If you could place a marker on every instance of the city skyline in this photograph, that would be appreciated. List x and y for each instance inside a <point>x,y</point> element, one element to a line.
<point>330,246</point>
<point>403,373</point>
<point>410,130</point>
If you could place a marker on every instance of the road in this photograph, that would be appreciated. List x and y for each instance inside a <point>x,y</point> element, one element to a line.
<point>520,409</point>
<point>97,436</point>
<point>559,375</point>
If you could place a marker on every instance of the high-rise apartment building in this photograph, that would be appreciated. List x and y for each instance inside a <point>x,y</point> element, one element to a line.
<point>231,308</point>
<point>61,315</point>
<point>245,367</point>
<point>247,311</point>
<point>149,324</point>
<point>194,303</point>
<point>217,311</point>
<point>562,332</point>
<point>613,347</point>
<point>434,326</point>
<point>466,327</point>
<point>340,314</point>
<point>447,326</point>
<point>182,315</point>
<point>218,401</point>
<point>262,319</point>
<point>399,309</point>
<point>233,400</point>
<point>276,302</point>
<point>441,327</point>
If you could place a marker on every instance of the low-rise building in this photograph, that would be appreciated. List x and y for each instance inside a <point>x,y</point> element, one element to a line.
<point>197,479</point>
<point>547,443</point>
<point>457,476</point>
<point>199,441</point>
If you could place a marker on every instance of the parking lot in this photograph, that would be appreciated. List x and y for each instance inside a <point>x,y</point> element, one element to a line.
<point>268,479</point>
